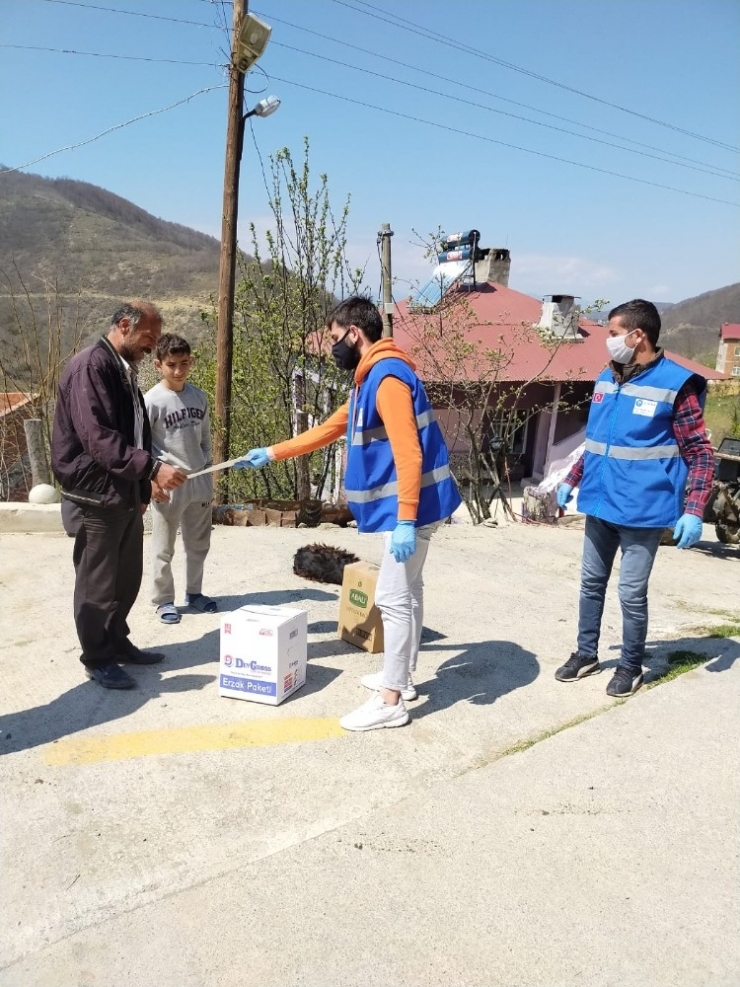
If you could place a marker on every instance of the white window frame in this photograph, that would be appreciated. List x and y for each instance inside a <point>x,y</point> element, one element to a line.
<point>736,371</point>
<point>521,432</point>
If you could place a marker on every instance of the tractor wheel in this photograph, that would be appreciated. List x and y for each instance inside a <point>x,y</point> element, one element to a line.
<point>728,534</point>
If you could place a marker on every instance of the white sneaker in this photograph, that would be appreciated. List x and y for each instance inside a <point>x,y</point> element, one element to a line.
<point>374,715</point>
<point>375,682</point>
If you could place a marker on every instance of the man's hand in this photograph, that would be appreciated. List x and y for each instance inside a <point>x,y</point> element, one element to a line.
<point>403,541</point>
<point>158,494</point>
<point>169,477</point>
<point>564,495</point>
<point>688,531</point>
<point>143,509</point>
<point>254,458</point>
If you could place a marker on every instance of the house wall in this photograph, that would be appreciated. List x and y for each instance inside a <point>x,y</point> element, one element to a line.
<point>728,357</point>
<point>535,403</point>
<point>15,470</point>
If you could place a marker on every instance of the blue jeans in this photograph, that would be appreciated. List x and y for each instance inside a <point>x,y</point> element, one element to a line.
<point>639,547</point>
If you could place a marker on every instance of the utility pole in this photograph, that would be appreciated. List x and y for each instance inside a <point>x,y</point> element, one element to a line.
<point>227,269</point>
<point>385,263</point>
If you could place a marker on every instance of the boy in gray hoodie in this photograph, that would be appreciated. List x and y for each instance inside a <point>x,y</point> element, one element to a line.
<point>181,436</point>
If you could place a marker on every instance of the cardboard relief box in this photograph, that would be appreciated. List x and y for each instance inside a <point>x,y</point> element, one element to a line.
<point>360,621</point>
<point>263,653</point>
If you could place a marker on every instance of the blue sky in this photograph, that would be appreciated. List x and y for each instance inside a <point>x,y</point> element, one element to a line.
<point>569,229</point>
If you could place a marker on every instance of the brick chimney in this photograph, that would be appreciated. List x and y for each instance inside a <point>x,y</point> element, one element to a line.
<point>493,264</point>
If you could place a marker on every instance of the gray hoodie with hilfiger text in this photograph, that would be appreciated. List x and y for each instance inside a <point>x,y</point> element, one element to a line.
<point>181,428</point>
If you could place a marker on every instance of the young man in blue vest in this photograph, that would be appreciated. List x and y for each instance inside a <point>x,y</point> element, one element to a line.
<point>647,466</point>
<point>397,481</point>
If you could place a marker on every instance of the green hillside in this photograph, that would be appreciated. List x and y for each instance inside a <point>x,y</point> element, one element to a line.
<point>83,244</point>
<point>692,327</point>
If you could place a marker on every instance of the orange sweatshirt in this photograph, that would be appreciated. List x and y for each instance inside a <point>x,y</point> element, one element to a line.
<point>396,409</point>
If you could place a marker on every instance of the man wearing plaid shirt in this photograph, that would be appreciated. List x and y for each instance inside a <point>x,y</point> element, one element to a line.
<point>648,465</point>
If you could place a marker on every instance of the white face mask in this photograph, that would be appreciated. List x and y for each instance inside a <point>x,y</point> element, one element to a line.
<point>619,351</point>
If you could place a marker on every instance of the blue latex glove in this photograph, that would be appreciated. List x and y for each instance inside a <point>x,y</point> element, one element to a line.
<point>254,459</point>
<point>403,541</point>
<point>688,531</point>
<point>564,495</point>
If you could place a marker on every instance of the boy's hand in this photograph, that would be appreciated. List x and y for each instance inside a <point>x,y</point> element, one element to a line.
<point>169,477</point>
<point>254,458</point>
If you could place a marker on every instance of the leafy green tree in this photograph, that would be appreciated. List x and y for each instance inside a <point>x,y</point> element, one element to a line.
<point>282,382</point>
<point>482,411</point>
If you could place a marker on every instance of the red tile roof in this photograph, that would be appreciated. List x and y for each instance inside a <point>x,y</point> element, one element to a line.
<point>506,319</point>
<point>729,330</point>
<point>12,400</point>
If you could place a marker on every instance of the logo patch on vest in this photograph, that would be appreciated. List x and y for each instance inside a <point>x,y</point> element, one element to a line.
<point>644,407</point>
<point>598,397</point>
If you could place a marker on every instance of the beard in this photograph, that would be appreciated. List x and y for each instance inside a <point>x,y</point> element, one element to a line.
<point>132,353</point>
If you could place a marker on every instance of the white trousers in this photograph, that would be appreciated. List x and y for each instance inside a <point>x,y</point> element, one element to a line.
<point>399,596</point>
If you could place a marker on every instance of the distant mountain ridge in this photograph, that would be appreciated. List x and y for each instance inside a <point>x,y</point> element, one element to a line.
<point>91,242</point>
<point>691,327</point>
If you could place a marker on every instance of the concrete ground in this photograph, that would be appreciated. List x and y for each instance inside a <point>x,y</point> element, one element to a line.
<point>517,832</point>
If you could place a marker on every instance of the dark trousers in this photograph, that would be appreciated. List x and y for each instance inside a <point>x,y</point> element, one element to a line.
<point>108,559</point>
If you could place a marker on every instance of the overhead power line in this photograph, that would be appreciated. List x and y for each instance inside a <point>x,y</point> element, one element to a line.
<point>417,29</point>
<point>131,13</point>
<point>406,25</point>
<point>516,116</point>
<point>516,147</point>
<point>118,126</point>
<point>486,92</point>
<point>102,54</point>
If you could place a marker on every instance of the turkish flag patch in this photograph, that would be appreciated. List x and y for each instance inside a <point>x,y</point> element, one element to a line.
<point>598,397</point>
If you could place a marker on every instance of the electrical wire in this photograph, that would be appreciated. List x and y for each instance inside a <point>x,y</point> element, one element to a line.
<point>258,92</point>
<point>132,13</point>
<point>118,126</point>
<point>516,147</point>
<point>465,48</point>
<point>262,163</point>
<point>100,54</point>
<point>417,29</point>
<point>407,25</point>
<point>515,116</point>
<point>486,92</point>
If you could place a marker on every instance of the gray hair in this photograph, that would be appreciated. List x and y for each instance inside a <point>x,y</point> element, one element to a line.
<point>135,312</point>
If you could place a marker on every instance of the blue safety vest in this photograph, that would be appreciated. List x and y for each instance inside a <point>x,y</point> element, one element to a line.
<point>371,481</point>
<point>633,471</point>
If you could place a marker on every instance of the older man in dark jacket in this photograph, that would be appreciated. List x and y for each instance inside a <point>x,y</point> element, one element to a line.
<point>101,456</point>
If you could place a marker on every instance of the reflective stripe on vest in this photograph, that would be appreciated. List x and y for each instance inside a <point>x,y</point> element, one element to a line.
<point>637,391</point>
<point>632,452</point>
<point>391,489</point>
<point>361,438</point>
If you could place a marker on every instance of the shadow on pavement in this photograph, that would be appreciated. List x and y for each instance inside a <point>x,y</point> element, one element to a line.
<point>87,705</point>
<point>275,598</point>
<point>318,677</point>
<point>480,674</point>
<point>721,654</point>
<point>717,550</point>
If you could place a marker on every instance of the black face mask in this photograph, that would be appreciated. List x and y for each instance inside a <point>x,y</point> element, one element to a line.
<point>345,356</point>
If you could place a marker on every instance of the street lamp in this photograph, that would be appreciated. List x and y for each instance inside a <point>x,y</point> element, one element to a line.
<point>248,41</point>
<point>265,108</point>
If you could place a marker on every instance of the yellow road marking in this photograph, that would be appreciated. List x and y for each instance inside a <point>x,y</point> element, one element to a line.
<point>188,740</point>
